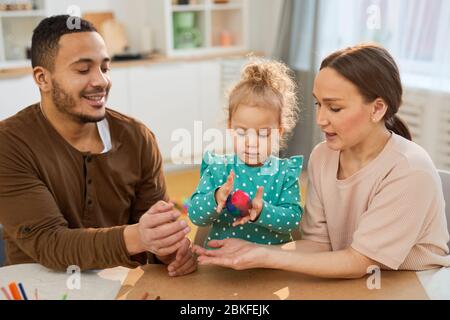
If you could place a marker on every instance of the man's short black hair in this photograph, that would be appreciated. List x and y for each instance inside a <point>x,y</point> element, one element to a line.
<point>44,44</point>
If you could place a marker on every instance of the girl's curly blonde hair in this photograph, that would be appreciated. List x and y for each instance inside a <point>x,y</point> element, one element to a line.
<point>267,84</point>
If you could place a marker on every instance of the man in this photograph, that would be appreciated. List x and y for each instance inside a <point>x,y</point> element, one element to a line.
<point>81,184</point>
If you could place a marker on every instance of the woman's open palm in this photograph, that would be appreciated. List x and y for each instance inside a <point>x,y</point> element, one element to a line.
<point>231,253</point>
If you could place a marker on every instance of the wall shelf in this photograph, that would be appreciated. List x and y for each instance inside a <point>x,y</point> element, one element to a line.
<point>16,28</point>
<point>223,27</point>
<point>22,13</point>
<point>228,6</point>
<point>184,8</point>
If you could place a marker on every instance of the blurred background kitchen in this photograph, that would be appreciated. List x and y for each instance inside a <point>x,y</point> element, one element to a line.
<point>175,59</point>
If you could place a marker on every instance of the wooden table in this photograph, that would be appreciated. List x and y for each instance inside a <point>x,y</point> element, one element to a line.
<point>219,283</point>
<point>216,283</point>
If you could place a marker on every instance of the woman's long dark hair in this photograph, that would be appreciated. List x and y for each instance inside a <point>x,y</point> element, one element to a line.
<point>376,75</point>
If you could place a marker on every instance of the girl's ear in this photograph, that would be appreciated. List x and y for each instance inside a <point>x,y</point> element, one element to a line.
<point>42,78</point>
<point>379,109</point>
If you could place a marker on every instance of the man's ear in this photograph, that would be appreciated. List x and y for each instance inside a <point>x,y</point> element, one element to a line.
<point>42,78</point>
<point>379,109</point>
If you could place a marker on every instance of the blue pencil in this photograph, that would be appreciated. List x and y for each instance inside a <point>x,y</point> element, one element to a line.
<point>22,290</point>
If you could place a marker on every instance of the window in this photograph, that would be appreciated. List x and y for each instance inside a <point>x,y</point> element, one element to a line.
<point>416,32</point>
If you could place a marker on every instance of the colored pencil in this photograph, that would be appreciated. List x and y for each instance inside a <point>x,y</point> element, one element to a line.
<point>15,291</point>
<point>22,290</point>
<point>64,297</point>
<point>5,292</point>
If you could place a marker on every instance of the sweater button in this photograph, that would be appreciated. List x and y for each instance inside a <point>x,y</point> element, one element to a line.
<point>26,230</point>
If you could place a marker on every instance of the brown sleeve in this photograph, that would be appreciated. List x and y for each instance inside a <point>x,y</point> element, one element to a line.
<point>152,187</point>
<point>32,219</point>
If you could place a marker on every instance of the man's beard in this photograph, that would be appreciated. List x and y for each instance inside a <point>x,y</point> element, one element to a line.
<point>64,102</point>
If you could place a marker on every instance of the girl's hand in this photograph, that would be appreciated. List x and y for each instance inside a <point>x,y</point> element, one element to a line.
<point>223,192</point>
<point>255,211</point>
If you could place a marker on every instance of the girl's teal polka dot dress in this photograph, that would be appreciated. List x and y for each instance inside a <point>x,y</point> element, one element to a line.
<point>281,213</point>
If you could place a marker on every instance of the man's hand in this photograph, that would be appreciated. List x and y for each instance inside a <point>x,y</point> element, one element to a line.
<point>158,231</point>
<point>223,192</point>
<point>181,262</point>
<point>255,211</point>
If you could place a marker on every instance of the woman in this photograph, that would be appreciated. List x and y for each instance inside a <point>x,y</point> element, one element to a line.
<point>374,197</point>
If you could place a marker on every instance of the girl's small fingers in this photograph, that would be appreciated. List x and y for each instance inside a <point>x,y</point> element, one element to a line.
<point>253,214</point>
<point>230,177</point>
<point>230,186</point>
<point>259,193</point>
<point>255,206</point>
<point>246,219</point>
<point>236,223</point>
<point>241,221</point>
<point>227,191</point>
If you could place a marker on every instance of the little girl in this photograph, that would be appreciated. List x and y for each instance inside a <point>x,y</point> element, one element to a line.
<point>262,111</point>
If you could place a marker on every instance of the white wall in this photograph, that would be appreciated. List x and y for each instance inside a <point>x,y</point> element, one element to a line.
<point>133,14</point>
<point>264,18</point>
<point>61,6</point>
<point>17,93</point>
<point>264,21</point>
